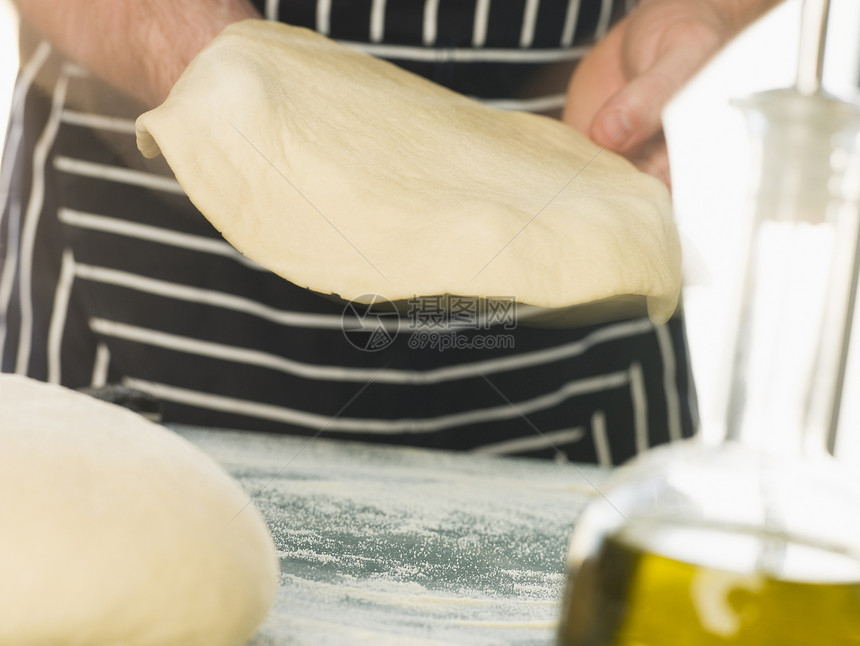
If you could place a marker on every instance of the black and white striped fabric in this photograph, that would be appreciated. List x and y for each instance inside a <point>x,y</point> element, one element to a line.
<point>109,275</point>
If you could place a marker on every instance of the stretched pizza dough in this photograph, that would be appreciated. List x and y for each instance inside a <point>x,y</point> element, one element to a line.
<point>347,175</point>
<point>116,531</point>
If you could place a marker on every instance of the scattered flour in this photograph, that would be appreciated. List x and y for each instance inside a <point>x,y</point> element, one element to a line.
<point>402,546</point>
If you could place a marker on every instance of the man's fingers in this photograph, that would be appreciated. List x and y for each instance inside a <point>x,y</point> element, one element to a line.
<point>652,157</point>
<point>613,129</point>
<point>596,79</point>
<point>633,115</point>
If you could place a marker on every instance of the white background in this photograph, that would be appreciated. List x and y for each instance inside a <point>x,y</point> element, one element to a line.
<point>711,167</point>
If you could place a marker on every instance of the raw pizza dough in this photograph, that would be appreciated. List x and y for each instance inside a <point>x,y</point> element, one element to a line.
<point>114,530</point>
<point>347,175</point>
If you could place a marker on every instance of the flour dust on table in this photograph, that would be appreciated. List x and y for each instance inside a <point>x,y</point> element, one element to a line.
<point>399,546</point>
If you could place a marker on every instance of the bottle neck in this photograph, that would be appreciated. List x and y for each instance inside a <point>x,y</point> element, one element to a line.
<point>797,294</point>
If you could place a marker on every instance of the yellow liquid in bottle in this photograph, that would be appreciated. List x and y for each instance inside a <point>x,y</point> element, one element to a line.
<point>630,595</point>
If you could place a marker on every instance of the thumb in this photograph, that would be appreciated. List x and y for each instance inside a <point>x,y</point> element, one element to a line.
<point>632,116</point>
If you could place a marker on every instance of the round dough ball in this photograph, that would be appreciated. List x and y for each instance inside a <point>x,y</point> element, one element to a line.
<point>114,530</point>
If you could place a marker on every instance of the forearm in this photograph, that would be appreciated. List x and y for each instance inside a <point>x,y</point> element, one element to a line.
<point>139,46</point>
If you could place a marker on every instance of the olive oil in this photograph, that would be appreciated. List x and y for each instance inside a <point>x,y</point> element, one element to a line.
<point>718,588</point>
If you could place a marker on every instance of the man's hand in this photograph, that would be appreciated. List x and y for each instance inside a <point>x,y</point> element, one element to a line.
<point>139,46</point>
<point>618,92</point>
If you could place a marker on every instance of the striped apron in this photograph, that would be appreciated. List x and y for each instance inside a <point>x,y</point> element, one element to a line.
<point>108,274</point>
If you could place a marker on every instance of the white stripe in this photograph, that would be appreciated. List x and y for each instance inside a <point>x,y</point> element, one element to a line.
<point>533,443</point>
<point>31,223</point>
<point>482,18</point>
<point>9,268</point>
<point>237,406</point>
<point>324,17</point>
<point>58,317</point>
<point>380,426</point>
<point>261,359</point>
<point>429,28</point>
<point>601,440</point>
<point>377,21</point>
<point>603,19</point>
<point>670,385</point>
<point>16,127</point>
<point>272,9</point>
<point>332,322</point>
<point>116,226</point>
<point>538,104</point>
<point>74,70</point>
<point>115,174</point>
<point>527,34</point>
<point>206,297</point>
<point>639,398</point>
<point>13,141</point>
<point>233,354</point>
<point>101,364</point>
<point>692,400</point>
<point>467,55</point>
<point>98,121</point>
<point>568,32</point>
